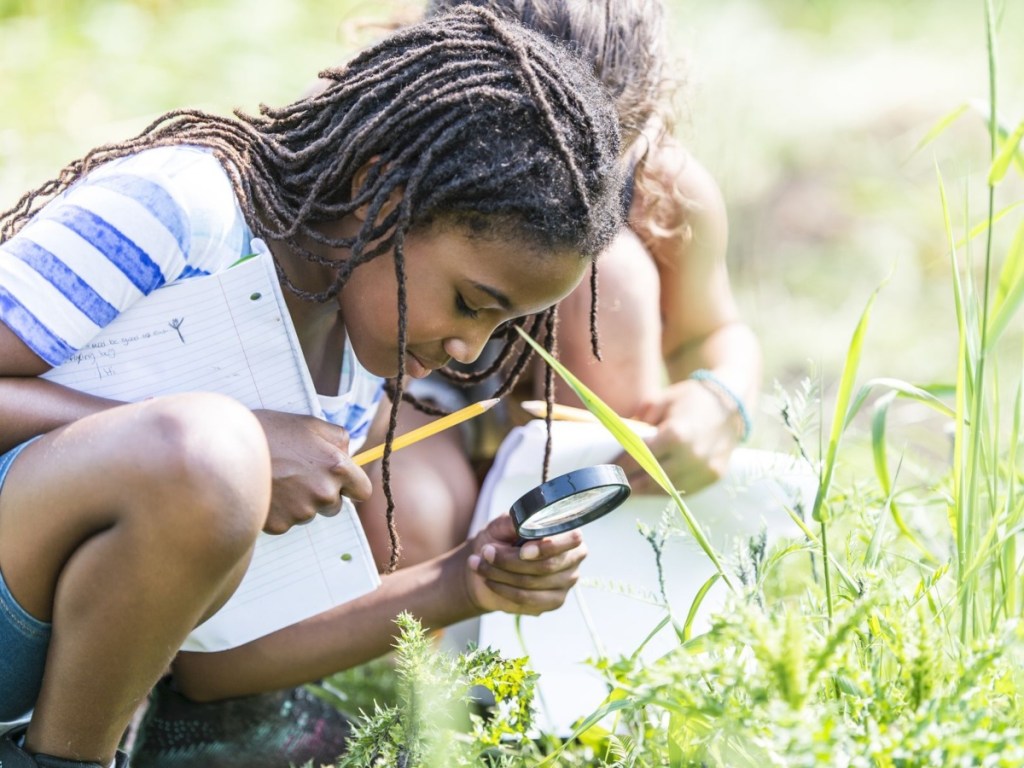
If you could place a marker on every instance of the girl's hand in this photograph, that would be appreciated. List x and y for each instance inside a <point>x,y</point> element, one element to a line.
<point>697,433</point>
<point>531,579</point>
<point>312,469</point>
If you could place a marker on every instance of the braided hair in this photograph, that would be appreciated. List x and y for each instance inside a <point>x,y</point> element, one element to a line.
<point>469,119</point>
<point>623,40</point>
<point>624,43</point>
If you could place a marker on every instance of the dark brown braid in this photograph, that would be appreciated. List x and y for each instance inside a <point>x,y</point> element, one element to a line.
<point>550,324</point>
<point>469,120</point>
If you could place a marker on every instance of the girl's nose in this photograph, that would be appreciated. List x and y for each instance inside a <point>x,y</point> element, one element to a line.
<point>468,346</point>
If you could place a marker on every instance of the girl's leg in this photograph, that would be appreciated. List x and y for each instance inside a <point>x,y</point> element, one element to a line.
<point>435,491</point>
<point>125,530</point>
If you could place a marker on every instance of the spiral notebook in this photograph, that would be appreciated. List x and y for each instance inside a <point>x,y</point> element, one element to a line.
<point>231,333</point>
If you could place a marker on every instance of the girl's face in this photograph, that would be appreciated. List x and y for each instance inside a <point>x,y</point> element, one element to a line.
<point>458,290</point>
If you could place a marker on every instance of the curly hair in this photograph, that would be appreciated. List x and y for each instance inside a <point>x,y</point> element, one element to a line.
<point>622,40</point>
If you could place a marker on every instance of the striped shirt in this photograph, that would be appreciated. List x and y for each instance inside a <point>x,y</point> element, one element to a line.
<point>125,230</point>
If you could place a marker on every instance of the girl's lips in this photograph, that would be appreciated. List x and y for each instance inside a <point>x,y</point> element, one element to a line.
<point>416,367</point>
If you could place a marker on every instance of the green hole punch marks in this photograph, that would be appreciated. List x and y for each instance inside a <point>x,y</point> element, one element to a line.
<point>255,296</point>
<point>346,557</point>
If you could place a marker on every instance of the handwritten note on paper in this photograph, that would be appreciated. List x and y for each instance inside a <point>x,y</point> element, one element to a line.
<point>219,333</point>
<point>230,333</point>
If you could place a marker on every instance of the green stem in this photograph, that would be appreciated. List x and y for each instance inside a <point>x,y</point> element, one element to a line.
<point>977,400</point>
<point>825,564</point>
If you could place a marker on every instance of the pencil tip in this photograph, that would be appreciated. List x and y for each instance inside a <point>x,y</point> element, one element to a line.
<point>490,403</point>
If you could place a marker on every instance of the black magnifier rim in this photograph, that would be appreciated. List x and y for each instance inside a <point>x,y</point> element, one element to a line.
<point>569,484</point>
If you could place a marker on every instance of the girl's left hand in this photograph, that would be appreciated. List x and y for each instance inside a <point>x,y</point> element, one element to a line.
<point>697,433</point>
<point>531,578</point>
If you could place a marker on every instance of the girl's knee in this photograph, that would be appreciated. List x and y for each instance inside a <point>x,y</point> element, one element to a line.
<point>203,460</point>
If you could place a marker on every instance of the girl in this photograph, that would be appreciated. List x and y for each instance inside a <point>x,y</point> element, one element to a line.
<point>460,175</point>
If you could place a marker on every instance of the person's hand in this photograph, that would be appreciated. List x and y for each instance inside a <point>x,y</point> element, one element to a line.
<point>311,469</point>
<point>697,433</point>
<point>532,578</point>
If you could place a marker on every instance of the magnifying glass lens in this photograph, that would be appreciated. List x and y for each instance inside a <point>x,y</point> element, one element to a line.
<point>567,509</point>
<point>569,501</point>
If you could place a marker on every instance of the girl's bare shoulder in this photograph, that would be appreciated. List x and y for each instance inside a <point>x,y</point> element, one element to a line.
<point>676,196</point>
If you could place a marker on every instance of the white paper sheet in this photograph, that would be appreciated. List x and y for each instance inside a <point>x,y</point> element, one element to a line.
<point>230,333</point>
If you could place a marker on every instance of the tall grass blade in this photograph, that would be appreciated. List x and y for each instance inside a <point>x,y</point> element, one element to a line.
<point>971,510</point>
<point>698,599</point>
<point>956,513</point>
<point>898,387</point>
<point>635,447</point>
<point>879,454</point>
<point>1006,155</point>
<point>590,721</point>
<point>811,537</point>
<point>1010,290</point>
<point>843,399</point>
<point>999,130</point>
<point>1013,515</point>
<point>982,226</point>
<point>940,126</point>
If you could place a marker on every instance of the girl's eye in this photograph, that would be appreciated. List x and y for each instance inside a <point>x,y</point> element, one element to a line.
<point>463,308</point>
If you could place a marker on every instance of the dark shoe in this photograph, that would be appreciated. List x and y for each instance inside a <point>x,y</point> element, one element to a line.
<point>13,756</point>
<point>272,730</point>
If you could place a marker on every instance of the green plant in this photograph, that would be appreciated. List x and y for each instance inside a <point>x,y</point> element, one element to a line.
<point>435,720</point>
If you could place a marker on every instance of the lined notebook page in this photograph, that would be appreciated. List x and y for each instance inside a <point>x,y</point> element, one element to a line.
<point>223,333</point>
<point>306,571</point>
<point>230,333</point>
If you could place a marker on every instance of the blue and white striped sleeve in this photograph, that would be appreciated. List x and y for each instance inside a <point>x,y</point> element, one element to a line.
<point>115,236</point>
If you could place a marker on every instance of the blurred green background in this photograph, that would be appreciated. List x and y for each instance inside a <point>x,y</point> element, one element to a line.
<point>807,111</point>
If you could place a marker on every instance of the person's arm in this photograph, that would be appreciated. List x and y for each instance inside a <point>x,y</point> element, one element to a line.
<point>630,371</point>
<point>675,250</point>
<point>31,406</point>
<point>702,326</point>
<point>700,421</point>
<point>484,574</point>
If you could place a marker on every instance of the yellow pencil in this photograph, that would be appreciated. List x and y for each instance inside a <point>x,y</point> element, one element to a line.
<point>539,408</point>
<point>414,436</point>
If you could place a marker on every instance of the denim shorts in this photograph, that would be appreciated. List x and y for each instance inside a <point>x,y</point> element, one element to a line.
<point>23,639</point>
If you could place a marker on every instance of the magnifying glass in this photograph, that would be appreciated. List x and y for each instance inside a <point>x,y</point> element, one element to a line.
<point>569,501</point>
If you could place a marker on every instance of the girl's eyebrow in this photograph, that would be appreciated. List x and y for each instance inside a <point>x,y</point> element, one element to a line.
<point>494,293</point>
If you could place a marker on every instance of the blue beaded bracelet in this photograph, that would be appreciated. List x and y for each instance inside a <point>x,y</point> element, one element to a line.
<point>725,389</point>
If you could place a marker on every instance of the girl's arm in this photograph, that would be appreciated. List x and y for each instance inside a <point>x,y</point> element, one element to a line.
<point>701,324</point>
<point>31,406</point>
<point>310,457</point>
<point>666,310</point>
<point>700,421</point>
<point>484,574</point>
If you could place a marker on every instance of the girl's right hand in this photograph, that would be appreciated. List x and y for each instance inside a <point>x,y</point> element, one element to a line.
<point>311,467</point>
<point>529,578</point>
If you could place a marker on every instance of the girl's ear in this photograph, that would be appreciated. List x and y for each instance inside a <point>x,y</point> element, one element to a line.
<point>363,211</point>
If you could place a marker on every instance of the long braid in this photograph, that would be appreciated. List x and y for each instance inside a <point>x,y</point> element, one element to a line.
<point>404,214</point>
<point>550,324</point>
<point>595,343</point>
<point>385,466</point>
<point>468,119</point>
